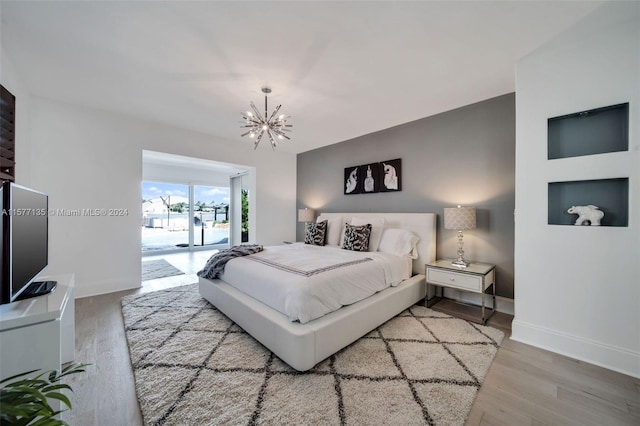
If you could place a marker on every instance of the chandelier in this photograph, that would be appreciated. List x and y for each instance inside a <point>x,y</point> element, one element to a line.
<point>274,127</point>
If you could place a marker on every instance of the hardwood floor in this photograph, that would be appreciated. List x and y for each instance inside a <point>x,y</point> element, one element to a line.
<point>524,385</point>
<point>105,393</point>
<point>531,386</point>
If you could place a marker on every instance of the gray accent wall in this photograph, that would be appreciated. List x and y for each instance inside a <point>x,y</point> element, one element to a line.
<point>465,156</point>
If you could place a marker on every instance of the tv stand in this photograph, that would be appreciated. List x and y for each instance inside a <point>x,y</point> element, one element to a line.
<point>37,288</point>
<point>38,333</point>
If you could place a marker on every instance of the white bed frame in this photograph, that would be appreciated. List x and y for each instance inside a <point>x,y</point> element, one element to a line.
<point>304,345</point>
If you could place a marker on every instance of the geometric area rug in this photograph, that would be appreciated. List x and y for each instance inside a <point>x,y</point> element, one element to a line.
<point>193,366</point>
<point>160,268</point>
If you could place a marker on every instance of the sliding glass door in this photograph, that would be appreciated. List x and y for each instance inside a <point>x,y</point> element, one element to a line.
<point>165,218</point>
<point>178,216</point>
<point>211,215</point>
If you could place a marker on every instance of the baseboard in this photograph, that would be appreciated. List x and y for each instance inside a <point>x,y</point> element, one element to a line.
<point>611,357</point>
<point>99,288</point>
<point>503,304</point>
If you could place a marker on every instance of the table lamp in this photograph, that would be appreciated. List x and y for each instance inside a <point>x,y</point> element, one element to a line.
<point>459,219</point>
<point>306,216</point>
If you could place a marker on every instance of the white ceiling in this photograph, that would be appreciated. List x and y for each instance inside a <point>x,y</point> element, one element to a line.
<point>340,69</point>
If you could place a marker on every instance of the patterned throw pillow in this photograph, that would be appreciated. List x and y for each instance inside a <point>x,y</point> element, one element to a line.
<point>356,238</point>
<point>315,233</point>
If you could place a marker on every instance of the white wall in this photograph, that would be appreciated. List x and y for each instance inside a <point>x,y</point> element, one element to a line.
<point>577,289</point>
<point>91,159</point>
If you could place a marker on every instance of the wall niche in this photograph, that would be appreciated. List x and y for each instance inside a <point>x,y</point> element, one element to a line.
<point>596,131</point>
<point>610,195</point>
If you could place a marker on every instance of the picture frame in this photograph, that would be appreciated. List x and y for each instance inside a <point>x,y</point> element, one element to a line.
<point>352,180</point>
<point>369,177</point>
<point>391,175</point>
<point>385,176</point>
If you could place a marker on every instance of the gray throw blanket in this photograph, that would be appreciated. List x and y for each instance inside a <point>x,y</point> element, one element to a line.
<point>216,263</point>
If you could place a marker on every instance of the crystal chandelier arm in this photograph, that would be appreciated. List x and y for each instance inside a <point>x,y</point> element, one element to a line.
<point>248,120</point>
<point>253,107</point>
<point>255,145</point>
<point>251,123</point>
<point>279,133</point>
<point>273,142</point>
<point>273,114</point>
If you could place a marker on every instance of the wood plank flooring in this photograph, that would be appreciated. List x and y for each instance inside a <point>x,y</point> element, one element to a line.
<point>524,385</point>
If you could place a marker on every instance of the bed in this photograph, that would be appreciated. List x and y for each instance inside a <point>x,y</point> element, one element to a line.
<point>304,343</point>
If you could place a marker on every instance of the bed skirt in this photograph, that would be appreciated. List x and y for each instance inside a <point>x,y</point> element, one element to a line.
<point>302,346</point>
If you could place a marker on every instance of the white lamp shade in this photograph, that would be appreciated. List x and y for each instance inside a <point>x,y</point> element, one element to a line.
<point>459,218</point>
<point>306,215</point>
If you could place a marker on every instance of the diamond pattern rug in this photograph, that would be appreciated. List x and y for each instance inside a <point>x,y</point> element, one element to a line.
<point>193,365</point>
<point>160,268</point>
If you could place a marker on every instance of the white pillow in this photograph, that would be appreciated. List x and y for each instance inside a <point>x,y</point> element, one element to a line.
<point>377,225</point>
<point>399,242</point>
<point>335,227</point>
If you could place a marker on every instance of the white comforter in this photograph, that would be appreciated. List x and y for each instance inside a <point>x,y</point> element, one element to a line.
<point>305,298</point>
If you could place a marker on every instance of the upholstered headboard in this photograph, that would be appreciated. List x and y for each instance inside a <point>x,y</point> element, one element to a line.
<point>422,224</point>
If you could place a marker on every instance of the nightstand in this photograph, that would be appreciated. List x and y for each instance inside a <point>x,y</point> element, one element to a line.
<point>475,278</point>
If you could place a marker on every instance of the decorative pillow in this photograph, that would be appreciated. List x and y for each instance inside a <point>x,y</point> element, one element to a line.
<point>334,229</point>
<point>345,220</point>
<point>315,233</point>
<point>377,225</point>
<point>399,242</point>
<point>356,238</point>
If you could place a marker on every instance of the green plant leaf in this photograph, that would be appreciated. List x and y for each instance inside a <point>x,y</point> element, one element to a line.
<point>60,397</point>
<point>6,419</point>
<point>27,382</point>
<point>17,375</point>
<point>75,366</point>
<point>25,401</point>
<point>55,387</point>
<point>9,410</point>
<point>74,369</point>
<point>44,373</point>
<point>24,421</point>
<point>49,422</point>
<point>33,392</point>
